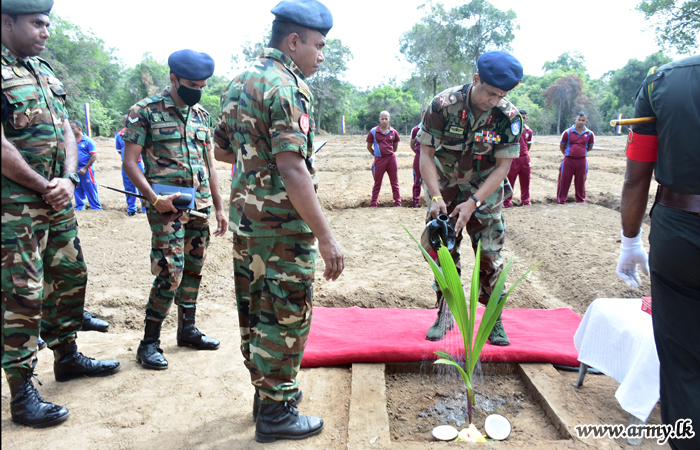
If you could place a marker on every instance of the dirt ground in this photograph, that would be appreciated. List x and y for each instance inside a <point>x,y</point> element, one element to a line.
<point>204,399</point>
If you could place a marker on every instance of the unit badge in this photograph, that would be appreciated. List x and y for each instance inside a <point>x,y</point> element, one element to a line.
<point>304,123</point>
<point>515,128</point>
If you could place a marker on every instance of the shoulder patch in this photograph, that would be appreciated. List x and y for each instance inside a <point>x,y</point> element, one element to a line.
<point>515,128</point>
<point>509,110</point>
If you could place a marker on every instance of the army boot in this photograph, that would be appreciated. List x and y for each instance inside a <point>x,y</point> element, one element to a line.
<point>28,408</point>
<point>188,334</point>
<point>443,323</point>
<point>92,323</point>
<point>69,363</point>
<point>256,402</point>
<point>498,334</point>
<point>149,353</point>
<point>40,343</point>
<point>281,420</point>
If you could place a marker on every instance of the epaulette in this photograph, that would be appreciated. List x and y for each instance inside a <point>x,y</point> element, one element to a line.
<point>509,110</point>
<point>450,96</point>
<point>652,76</point>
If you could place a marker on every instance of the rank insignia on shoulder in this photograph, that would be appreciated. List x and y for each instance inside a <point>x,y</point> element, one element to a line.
<point>133,119</point>
<point>515,128</point>
<point>305,93</point>
<point>490,137</point>
<point>304,123</point>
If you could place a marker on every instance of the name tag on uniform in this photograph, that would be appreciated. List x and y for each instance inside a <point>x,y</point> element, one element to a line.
<point>12,83</point>
<point>164,125</point>
<point>456,130</point>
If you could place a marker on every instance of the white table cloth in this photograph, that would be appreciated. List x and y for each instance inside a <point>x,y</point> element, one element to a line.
<point>617,338</point>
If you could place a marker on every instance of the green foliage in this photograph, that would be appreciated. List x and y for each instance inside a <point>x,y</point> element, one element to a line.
<point>676,22</point>
<point>330,91</point>
<point>465,314</point>
<point>567,62</point>
<point>445,45</point>
<point>404,109</point>
<point>89,71</point>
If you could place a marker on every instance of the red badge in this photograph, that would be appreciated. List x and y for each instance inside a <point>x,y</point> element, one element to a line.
<point>304,123</point>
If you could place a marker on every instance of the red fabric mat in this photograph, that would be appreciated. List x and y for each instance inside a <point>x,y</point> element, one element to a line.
<point>381,335</point>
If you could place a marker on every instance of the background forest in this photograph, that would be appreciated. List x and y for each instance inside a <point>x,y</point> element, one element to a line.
<point>442,48</point>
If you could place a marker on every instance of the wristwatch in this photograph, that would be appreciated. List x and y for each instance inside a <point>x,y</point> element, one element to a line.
<point>73,177</point>
<point>476,200</point>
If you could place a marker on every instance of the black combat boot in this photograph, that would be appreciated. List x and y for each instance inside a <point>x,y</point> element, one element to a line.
<point>92,323</point>
<point>188,334</point>
<point>443,323</point>
<point>40,343</point>
<point>281,420</point>
<point>149,353</point>
<point>69,363</point>
<point>256,402</point>
<point>28,408</point>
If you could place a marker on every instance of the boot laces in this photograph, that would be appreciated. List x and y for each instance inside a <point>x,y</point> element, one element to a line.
<point>290,408</point>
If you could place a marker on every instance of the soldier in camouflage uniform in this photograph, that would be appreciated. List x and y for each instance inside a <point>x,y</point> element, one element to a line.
<point>469,136</point>
<point>43,271</point>
<point>266,130</point>
<point>172,133</point>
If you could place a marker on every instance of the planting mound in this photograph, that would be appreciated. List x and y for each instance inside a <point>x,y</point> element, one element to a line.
<point>383,335</point>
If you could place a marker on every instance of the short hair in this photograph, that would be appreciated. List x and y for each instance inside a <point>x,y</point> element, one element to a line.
<point>77,124</point>
<point>582,113</point>
<point>14,17</point>
<point>385,112</point>
<point>281,29</point>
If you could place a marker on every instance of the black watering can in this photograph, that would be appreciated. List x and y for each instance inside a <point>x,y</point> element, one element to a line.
<point>441,228</point>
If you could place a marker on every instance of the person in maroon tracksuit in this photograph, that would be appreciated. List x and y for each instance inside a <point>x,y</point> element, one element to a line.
<point>417,179</point>
<point>382,142</point>
<point>575,144</point>
<point>521,166</point>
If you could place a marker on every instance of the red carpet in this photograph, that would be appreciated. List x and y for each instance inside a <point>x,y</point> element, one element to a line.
<point>381,335</point>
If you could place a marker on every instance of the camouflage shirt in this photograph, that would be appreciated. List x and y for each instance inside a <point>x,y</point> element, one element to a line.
<point>175,142</point>
<point>467,146</point>
<point>33,113</point>
<point>265,110</point>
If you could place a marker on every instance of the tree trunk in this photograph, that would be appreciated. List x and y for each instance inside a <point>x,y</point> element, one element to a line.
<point>318,120</point>
<point>434,86</point>
<point>559,118</point>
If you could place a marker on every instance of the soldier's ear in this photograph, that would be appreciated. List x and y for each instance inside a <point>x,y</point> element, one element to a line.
<point>7,23</point>
<point>293,40</point>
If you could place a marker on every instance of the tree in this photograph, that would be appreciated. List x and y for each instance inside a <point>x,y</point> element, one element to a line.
<point>89,71</point>
<point>445,45</point>
<point>567,62</point>
<point>676,22</point>
<point>326,83</point>
<point>404,109</point>
<point>147,78</point>
<point>563,95</point>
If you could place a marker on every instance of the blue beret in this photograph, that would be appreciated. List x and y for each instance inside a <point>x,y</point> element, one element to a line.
<point>191,65</point>
<point>21,7</point>
<point>307,13</point>
<point>500,69</point>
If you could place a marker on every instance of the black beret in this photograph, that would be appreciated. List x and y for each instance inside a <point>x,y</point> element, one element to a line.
<point>523,112</point>
<point>500,69</point>
<point>307,13</point>
<point>191,65</point>
<point>21,7</point>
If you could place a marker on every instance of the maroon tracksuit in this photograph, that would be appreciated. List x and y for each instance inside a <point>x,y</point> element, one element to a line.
<point>575,164</point>
<point>417,179</point>
<point>384,161</point>
<point>521,167</point>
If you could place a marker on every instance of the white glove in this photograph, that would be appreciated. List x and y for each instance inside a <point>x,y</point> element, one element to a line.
<point>632,253</point>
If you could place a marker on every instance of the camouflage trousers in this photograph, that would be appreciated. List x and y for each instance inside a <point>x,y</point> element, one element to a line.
<point>179,244</point>
<point>43,281</point>
<point>274,293</point>
<point>490,229</point>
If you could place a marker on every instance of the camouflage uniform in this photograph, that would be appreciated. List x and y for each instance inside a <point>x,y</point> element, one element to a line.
<point>43,271</point>
<point>175,141</point>
<point>266,110</point>
<point>466,152</point>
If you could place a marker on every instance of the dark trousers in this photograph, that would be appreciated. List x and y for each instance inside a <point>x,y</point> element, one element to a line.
<point>674,260</point>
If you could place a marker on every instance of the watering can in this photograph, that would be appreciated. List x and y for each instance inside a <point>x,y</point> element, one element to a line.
<point>440,228</point>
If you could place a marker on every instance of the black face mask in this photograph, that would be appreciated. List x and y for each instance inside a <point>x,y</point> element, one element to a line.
<point>188,95</point>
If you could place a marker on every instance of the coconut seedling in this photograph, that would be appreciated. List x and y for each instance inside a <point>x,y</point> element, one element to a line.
<point>465,313</point>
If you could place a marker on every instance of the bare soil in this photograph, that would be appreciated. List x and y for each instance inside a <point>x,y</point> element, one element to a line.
<point>204,400</point>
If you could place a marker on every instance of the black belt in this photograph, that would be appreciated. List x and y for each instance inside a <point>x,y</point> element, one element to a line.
<point>684,202</point>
